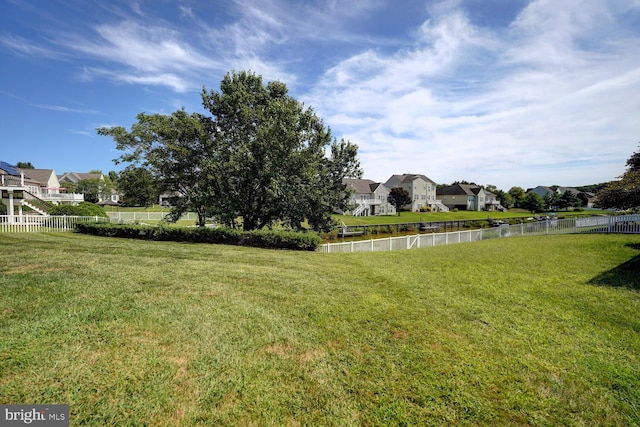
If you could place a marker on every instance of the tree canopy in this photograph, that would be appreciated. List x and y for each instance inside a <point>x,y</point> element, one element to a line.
<point>260,159</point>
<point>625,192</point>
<point>25,165</point>
<point>399,197</point>
<point>532,202</point>
<point>138,187</point>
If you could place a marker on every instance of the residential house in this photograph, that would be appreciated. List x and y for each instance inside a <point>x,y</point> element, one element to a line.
<point>44,184</point>
<point>17,192</point>
<point>421,189</point>
<point>492,203</point>
<point>542,190</point>
<point>103,196</point>
<point>468,197</point>
<point>368,198</point>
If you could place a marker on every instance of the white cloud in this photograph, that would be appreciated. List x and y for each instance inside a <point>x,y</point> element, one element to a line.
<point>21,46</point>
<point>546,102</point>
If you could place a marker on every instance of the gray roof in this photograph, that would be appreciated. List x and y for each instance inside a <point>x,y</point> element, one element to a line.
<point>410,177</point>
<point>459,189</point>
<point>360,186</point>
<point>38,175</point>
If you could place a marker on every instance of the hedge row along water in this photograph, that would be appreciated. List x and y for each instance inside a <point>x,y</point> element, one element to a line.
<point>258,238</point>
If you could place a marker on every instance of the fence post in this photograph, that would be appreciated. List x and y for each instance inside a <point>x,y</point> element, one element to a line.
<point>352,246</point>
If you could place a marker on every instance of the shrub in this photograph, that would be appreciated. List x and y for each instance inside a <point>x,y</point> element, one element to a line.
<point>259,238</point>
<point>280,240</point>
<point>129,231</point>
<point>83,209</point>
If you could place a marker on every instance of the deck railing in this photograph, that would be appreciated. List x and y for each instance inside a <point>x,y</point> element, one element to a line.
<point>11,181</point>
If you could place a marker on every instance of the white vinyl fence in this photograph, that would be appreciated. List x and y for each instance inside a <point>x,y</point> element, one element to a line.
<point>35,223</point>
<point>603,224</point>
<point>150,216</point>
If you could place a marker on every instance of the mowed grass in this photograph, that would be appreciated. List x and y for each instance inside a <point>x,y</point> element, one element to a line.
<point>521,331</point>
<point>406,217</point>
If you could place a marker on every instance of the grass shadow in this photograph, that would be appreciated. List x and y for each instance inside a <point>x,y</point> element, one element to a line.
<point>626,275</point>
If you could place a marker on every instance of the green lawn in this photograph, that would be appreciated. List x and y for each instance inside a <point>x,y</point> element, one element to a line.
<point>521,331</point>
<point>406,217</point>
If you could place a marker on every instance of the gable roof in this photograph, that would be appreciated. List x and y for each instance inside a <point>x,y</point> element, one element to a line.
<point>459,189</point>
<point>79,176</point>
<point>360,186</point>
<point>41,176</point>
<point>410,177</point>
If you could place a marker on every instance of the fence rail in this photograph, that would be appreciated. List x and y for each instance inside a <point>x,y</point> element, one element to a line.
<point>605,224</point>
<point>150,216</point>
<point>39,223</point>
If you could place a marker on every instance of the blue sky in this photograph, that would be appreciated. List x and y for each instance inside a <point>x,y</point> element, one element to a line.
<point>503,92</point>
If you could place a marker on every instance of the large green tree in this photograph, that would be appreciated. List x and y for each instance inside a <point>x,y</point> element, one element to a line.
<point>399,197</point>
<point>533,202</point>
<point>517,194</point>
<point>138,186</point>
<point>552,200</point>
<point>625,192</point>
<point>260,157</point>
<point>273,152</point>
<point>177,151</point>
<point>91,188</point>
<point>568,199</point>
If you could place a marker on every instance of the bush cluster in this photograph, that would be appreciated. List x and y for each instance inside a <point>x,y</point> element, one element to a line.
<point>83,209</point>
<point>258,238</point>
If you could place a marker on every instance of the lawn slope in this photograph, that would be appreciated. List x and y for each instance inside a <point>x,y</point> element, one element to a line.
<point>522,331</point>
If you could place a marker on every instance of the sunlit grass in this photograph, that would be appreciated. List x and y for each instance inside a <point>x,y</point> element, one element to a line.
<point>412,217</point>
<point>521,331</point>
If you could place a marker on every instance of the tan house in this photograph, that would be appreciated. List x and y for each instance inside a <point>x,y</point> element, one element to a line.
<point>422,191</point>
<point>468,197</point>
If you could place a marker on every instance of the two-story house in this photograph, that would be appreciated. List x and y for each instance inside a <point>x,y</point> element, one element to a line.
<point>368,198</point>
<point>44,184</point>
<point>421,189</point>
<point>103,195</point>
<point>468,197</point>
